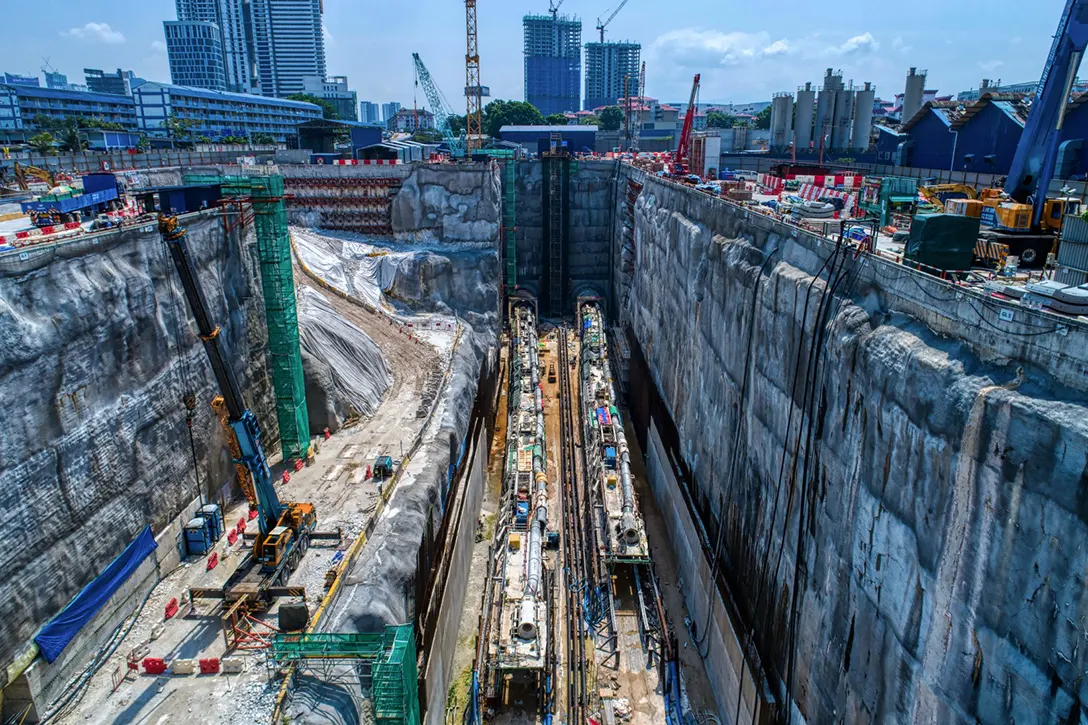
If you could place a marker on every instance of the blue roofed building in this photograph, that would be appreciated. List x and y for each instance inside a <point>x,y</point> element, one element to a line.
<point>216,114</point>
<point>930,141</point>
<point>577,139</point>
<point>987,133</point>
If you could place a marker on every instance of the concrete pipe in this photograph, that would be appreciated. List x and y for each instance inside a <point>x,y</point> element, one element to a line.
<point>629,530</point>
<point>527,619</point>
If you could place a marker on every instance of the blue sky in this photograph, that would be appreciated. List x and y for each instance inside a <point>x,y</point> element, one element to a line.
<point>745,51</point>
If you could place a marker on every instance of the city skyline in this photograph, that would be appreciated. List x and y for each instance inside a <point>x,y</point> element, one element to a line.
<point>741,59</point>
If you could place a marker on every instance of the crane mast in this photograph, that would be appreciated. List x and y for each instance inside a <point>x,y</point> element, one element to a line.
<point>1033,165</point>
<point>683,150</point>
<point>601,26</point>
<point>638,116</point>
<point>473,90</point>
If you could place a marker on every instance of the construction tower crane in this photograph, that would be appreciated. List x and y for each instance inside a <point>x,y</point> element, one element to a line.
<point>683,150</point>
<point>638,116</point>
<point>601,26</point>
<point>474,125</point>
<point>285,528</point>
<point>1036,155</point>
<point>553,8</point>
<point>440,107</point>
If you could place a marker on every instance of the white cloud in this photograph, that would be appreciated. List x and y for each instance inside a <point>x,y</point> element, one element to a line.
<point>698,48</point>
<point>329,40</point>
<point>859,44</point>
<point>990,65</point>
<point>900,46</point>
<point>101,32</point>
<point>157,46</point>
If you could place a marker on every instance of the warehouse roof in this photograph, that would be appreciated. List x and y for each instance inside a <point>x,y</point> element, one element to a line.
<point>1011,104</point>
<point>946,111</point>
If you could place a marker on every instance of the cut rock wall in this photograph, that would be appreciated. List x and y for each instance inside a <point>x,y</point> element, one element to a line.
<point>94,443</point>
<point>941,576</point>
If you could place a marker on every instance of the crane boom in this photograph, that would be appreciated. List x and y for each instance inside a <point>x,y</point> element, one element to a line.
<point>439,105</point>
<point>601,26</point>
<point>241,419</point>
<point>683,150</point>
<point>638,116</point>
<point>1036,155</point>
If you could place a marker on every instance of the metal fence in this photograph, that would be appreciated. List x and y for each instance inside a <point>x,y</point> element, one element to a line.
<point>762,164</point>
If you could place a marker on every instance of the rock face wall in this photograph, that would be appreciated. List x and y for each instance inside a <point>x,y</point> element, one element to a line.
<point>93,445</point>
<point>939,483</point>
<point>448,204</point>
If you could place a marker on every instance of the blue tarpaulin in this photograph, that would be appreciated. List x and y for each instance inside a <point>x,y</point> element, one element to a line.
<point>59,631</point>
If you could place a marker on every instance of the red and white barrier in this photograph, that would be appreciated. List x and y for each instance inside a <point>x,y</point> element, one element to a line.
<point>366,162</point>
<point>776,184</point>
<point>812,192</point>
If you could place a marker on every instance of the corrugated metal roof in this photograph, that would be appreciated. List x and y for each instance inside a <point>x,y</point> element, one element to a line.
<point>947,112</point>
<point>1012,104</point>
<point>548,129</point>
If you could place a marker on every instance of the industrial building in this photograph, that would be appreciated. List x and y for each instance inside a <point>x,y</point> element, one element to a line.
<point>573,139</point>
<point>409,120</point>
<point>612,71</point>
<point>334,90</point>
<point>194,49</point>
<point>217,114</point>
<point>553,62</point>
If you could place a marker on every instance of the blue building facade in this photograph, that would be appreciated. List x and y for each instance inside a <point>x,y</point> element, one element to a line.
<point>987,135</point>
<point>579,139</point>
<point>19,105</point>
<point>930,141</point>
<point>195,50</point>
<point>216,114</point>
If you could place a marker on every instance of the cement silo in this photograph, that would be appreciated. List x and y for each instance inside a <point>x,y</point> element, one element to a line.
<point>781,120</point>
<point>825,107</point>
<point>915,92</point>
<point>841,124</point>
<point>803,109</point>
<point>863,117</point>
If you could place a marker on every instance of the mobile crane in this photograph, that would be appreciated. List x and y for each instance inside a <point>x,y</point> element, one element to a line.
<point>285,527</point>
<point>683,149</point>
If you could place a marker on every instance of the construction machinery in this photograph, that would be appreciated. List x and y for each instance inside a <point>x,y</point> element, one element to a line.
<point>637,131</point>
<point>601,26</point>
<point>440,107</point>
<point>1023,217</point>
<point>474,92</point>
<point>938,194</point>
<point>683,149</point>
<point>285,528</point>
<point>41,175</point>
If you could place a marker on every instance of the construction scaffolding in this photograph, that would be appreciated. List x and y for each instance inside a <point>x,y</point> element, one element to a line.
<point>556,169</point>
<point>553,62</point>
<point>265,195</point>
<point>384,664</point>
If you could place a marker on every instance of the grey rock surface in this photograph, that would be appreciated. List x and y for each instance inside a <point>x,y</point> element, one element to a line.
<point>943,527</point>
<point>93,444</point>
<point>449,204</point>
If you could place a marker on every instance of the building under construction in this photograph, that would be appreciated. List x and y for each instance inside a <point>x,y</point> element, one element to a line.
<point>608,66</point>
<point>553,62</point>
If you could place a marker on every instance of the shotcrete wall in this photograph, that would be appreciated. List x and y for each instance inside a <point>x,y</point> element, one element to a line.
<point>941,504</point>
<point>589,229</point>
<point>94,444</point>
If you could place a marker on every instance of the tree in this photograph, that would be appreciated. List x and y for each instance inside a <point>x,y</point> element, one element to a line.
<point>717,119</point>
<point>427,135</point>
<point>73,141</point>
<point>143,145</point>
<point>457,125</point>
<point>43,143</point>
<point>328,110</point>
<point>763,119</point>
<point>261,138</point>
<point>611,118</point>
<point>177,128</point>
<point>590,121</point>
<point>556,119</point>
<point>510,113</point>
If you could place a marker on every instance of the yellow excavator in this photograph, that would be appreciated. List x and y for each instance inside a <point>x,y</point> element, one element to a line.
<point>22,172</point>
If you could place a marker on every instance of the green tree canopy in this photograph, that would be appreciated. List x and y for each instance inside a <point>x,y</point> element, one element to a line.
<point>717,119</point>
<point>457,125</point>
<point>328,110</point>
<point>43,142</point>
<point>763,119</point>
<point>179,129</point>
<point>510,113</point>
<point>73,141</point>
<point>611,118</point>
<point>261,138</point>
<point>555,119</point>
<point>590,121</point>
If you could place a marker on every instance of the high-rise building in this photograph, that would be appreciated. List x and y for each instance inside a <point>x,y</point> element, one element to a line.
<point>288,43</point>
<point>334,90</point>
<point>389,110</point>
<point>607,67</point>
<point>230,18</point>
<point>56,81</point>
<point>370,112</point>
<point>119,83</point>
<point>553,62</point>
<point>195,51</point>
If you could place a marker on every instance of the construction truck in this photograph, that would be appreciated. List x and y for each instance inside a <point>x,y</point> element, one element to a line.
<point>285,528</point>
